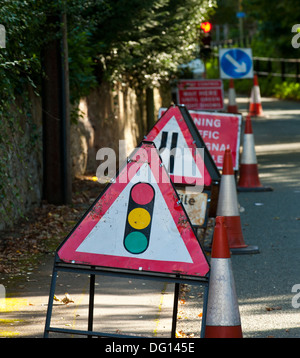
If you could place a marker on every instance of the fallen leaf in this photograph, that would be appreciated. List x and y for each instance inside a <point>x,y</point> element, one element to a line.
<point>178,334</point>
<point>67,299</point>
<point>56,299</point>
<point>181,334</point>
<point>273,308</point>
<point>200,314</point>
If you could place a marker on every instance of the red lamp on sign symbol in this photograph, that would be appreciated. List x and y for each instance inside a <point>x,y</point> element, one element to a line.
<point>206,26</point>
<point>139,218</point>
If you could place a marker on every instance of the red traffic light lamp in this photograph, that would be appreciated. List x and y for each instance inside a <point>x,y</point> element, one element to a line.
<point>206,26</point>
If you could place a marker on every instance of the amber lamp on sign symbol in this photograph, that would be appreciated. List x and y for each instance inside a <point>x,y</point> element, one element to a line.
<point>139,218</point>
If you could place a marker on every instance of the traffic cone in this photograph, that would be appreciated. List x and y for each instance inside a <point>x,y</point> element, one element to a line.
<point>249,178</point>
<point>255,107</point>
<point>232,106</point>
<point>228,207</point>
<point>223,316</point>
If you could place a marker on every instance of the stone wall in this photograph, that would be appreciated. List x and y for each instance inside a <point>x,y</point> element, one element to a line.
<point>107,116</point>
<point>21,151</point>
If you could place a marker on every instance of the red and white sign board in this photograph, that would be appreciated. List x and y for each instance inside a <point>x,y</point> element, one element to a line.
<point>201,94</point>
<point>137,223</point>
<point>180,155</point>
<point>219,131</point>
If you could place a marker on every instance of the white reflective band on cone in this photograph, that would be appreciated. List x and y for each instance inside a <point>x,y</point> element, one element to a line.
<point>231,96</point>
<point>222,305</point>
<point>248,154</point>
<point>227,202</point>
<point>256,94</point>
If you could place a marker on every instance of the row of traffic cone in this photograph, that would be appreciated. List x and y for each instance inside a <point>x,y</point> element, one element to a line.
<point>248,181</point>
<point>222,310</point>
<point>223,317</point>
<point>249,178</point>
<point>228,208</point>
<point>248,171</point>
<point>255,106</point>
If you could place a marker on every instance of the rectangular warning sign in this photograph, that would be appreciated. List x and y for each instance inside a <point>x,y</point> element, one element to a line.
<point>219,131</point>
<point>201,94</point>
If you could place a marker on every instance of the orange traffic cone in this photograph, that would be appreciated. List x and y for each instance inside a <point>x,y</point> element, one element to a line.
<point>232,106</point>
<point>228,207</point>
<point>223,316</point>
<point>255,107</point>
<point>249,178</point>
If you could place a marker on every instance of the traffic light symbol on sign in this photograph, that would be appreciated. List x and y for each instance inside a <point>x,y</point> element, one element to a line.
<point>139,218</point>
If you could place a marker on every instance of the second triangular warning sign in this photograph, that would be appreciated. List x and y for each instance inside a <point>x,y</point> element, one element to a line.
<point>178,140</point>
<point>138,223</point>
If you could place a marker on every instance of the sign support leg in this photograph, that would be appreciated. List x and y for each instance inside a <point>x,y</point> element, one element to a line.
<point>205,299</point>
<point>50,302</point>
<point>91,303</point>
<point>92,271</point>
<point>175,309</point>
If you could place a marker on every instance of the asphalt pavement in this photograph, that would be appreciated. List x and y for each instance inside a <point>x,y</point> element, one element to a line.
<point>264,281</point>
<point>271,220</point>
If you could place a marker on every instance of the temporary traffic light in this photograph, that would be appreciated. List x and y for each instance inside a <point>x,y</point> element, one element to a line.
<point>139,218</point>
<point>206,26</point>
<point>205,40</point>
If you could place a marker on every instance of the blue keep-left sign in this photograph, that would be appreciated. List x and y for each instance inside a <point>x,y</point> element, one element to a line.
<point>236,63</point>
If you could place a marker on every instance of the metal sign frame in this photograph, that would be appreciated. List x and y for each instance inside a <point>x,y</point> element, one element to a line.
<point>93,271</point>
<point>164,276</point>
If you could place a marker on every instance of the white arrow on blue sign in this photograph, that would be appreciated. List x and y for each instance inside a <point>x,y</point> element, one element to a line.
<point>236,63</point>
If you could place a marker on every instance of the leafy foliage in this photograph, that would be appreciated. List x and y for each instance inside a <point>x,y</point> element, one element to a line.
<point>143,42</point>
<point>137,42</point>
<point>274,24</point>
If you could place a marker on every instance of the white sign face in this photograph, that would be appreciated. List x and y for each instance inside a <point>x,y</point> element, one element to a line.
<point>162,226</point>
<point>178,150</point>
<point>236,63</point>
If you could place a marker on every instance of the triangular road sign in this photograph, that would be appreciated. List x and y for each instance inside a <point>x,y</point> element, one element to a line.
<point>138,223</point>
<point>176,129</point>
